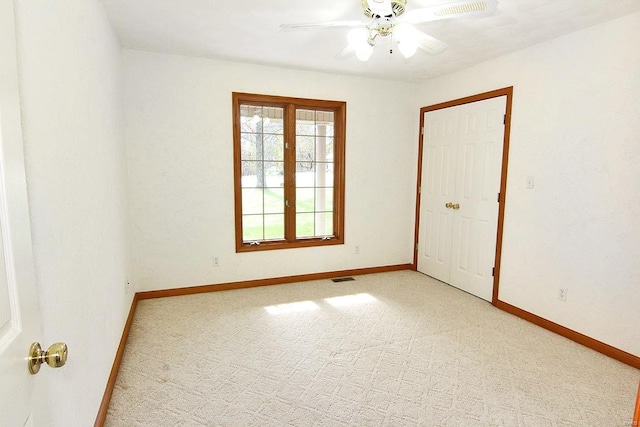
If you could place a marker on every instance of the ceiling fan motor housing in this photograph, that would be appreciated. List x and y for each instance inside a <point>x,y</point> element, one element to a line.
<point>397,8</point>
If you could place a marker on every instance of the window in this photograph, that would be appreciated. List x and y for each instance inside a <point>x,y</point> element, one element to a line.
<point>289,171</point>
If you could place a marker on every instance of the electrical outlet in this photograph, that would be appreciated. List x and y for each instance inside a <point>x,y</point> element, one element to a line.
<point>356,250</point>
<point>562,294</point>
<point>216,261</point>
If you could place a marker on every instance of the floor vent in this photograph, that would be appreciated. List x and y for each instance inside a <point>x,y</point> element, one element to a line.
<point>342,279</point>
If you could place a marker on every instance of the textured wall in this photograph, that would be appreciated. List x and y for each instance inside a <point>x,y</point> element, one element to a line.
<point>575,128</point>
<point>180,160</point>
<point>69,63</point>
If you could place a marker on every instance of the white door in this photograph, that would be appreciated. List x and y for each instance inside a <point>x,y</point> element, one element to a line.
<point>439,159</point>
<point>462,162</point>
<point>19,315</point>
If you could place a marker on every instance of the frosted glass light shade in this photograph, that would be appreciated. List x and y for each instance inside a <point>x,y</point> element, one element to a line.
<point>407,48</point>
<point>364,51</point>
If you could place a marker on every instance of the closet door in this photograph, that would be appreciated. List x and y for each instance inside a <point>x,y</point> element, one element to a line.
<point>439,160</point>
<point>475,223</point>
<point>462,159</point>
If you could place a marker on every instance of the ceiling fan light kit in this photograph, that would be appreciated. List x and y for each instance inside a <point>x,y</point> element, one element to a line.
<point>385,21</point>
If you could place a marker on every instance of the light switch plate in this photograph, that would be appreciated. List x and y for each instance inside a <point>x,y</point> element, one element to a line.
<point>531,182</point>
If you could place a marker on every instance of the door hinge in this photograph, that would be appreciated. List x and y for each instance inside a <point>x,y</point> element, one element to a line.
<point>498,197</point>
<point>419,190</point>
<point>493,272</point>
<point>422,130</point>
<point>417,245</point>
<point>504,120</point>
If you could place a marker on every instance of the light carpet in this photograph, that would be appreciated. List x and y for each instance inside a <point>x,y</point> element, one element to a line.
<point>397,349</point>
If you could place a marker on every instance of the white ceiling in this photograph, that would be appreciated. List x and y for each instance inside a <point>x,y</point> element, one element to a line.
<point>249,31</point>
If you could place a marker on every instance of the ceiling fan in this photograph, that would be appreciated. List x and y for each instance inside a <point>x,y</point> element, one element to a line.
<point>390,18</point>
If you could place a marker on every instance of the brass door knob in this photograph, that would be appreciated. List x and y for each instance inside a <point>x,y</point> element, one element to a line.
<point>55,356</point>
<point>448,205</point>
<point>456,206</point>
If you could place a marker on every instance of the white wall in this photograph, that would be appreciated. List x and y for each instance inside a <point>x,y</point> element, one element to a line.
<point>71,91</point>
<point>575,127</point>
<point>180,160</point>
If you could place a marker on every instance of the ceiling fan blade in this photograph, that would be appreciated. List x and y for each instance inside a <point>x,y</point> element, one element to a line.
<point>408,35</point>
<point>450,10</point>
<point>333,24</point>
<point>346,51</point>
<point>428,43</point>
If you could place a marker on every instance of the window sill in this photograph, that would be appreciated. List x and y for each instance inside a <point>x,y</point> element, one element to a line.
<point>282,244</point>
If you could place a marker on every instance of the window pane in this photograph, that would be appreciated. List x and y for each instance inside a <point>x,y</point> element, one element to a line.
<point>305,176</point>
<point>254,118</point>
<point>261,139</point>
<point>252,228</point>
<point>324,149</point>
<point>262,174</point>
<point>304,200</point>
<point>325,117</point>
<point>330,129</point>
<point>304,167</point>
<point>324,224</point>
<point>324,175</point>
<point>274,174</point>
<point>324,200</point>
<point>272,120</point>
<point>314,172</point>
<point>252,174</point>
<point>274,226</point>
<point>248,146</point>
<point>273,200</point>
<point>305,226</point>
<point>319,148</point>
<point>273,148</point>
<point>305,122</point>
<point>252,201</point>
<point>305,148</point>
<point>314,224</point>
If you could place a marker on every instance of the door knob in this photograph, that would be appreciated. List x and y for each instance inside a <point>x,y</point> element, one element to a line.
<point>448,205</point>
<point>55,356</point>
<point>455,206</point>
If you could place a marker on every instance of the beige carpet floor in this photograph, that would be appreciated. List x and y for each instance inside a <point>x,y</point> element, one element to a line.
<point>391,349</point>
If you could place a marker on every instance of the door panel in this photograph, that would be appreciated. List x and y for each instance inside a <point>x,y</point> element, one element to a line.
<point>6,324</point>
<point>438,181</point>
<point>462,149</point>
<point>468,172</point>
<point>489,164</point>
<point>19,315</point>
<point>481,138</point>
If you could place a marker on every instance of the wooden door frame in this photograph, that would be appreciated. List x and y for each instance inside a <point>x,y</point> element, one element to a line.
<point>508,92</point>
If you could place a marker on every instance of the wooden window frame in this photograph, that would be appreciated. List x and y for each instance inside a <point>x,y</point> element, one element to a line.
<point>339,108</point>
